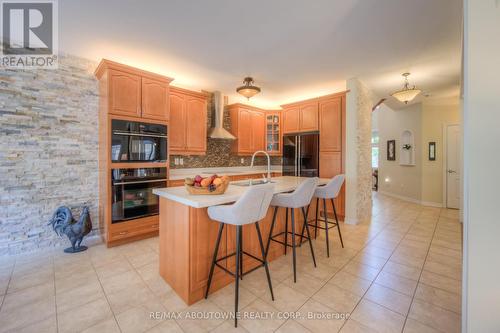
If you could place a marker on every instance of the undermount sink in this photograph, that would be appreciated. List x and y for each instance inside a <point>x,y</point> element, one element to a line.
<point>251,182</point>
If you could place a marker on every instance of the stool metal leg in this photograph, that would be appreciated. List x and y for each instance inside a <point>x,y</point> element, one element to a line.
<point>325,213</point>
<point>210,275</point>
<point>338,225</point>
<point>237,278</point>
<point>308,235</point>
<point>241,254</point>
<point>316,223</point>
<point>271,230</point>
<point>264,259</point>
<point>286,229</point>
<point>293,246</point>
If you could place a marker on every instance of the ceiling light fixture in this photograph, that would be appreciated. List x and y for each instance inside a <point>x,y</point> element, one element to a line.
<point>407,94</point>
<point>248,89</point>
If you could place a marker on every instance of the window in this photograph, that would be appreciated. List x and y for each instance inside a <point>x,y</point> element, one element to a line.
<point>375,149</point>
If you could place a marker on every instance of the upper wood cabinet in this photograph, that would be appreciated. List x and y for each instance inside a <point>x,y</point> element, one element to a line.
<point>124,94</point>
<point>248,126</point>
<point>154,99</point>
<point>132,92</point>
<point>188,122</point>
<point>300,117</point>
<point>330,124</point>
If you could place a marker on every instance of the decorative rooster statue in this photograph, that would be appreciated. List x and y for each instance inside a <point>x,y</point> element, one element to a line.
<point>63,223</point>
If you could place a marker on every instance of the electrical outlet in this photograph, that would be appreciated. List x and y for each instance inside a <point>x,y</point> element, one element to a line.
<point>176,161</point>
<point>182,161</point>
<point>242,160</point>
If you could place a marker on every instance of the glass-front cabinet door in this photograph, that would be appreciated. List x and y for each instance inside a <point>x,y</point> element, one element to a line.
<point>273,133</point>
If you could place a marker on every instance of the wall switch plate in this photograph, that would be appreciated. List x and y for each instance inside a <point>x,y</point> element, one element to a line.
<point>176,161</point>
<point>182,161</point>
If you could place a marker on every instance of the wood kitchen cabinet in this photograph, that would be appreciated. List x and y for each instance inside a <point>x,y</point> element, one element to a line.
<point>188,122</point>
<point>301,117</point>
<point>132,92</point>
<point>273,133</point>
<point>248,125</point>
<point>330,124</point>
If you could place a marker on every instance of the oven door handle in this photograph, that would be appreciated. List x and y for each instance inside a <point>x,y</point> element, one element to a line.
<point>140,134</point>
<point>141,181</point>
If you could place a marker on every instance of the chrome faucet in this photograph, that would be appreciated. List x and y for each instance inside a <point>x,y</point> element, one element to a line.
<point>268,179</point>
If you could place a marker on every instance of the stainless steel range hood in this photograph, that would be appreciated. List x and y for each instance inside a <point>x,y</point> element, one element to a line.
<point>218,131</point>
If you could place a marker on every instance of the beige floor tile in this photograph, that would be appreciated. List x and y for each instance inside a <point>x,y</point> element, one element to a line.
<point>286,299</point>
<point>255,282</point>
<point>352,326</point>
<point>389,298</point>
<point>224,298</point>
<point>260,317</point>
<point>48,325</point>
<point>291,326</point>
<point>378,317</point>
<point>439,297</point>
<point>127,298</point>
<point>376,251</point>
<point>28,295</point>
<point>445,260</point>
<point>191,323</point>
<point>30,279</point>
<point>409,272</point>
<point>151,276</point>
<point>435,249</point>
<point>370,260</point>
<point>27,314</point>
<point>107,326</point>
<point>116,267</point>
<point>84,316</point>
<point>169,326</point>
<point>72,269</point>
<point>337,298</point>
<point>122,281</point>
<point>435,317</point>
<point>69,283</point>
<point>413,326</point>
<point>172,302</point>
<point>397,283</point>
<point>361,270</point>
<point>318,318</point>
<point>138,319</point>
<point>321,272</point>
<point>78,296</point>
<point>351,283</point>
<point>142,259</point>
<point>441,282</point>
<point>407,260</point>
<point>307,284</point>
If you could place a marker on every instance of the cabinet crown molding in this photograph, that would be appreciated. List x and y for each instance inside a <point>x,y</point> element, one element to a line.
<point>106,64</point>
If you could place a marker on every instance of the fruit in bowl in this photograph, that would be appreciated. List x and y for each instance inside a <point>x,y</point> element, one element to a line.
<point>200,185</point>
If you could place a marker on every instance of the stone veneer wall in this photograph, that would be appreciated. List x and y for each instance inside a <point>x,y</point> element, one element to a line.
<point>219,150</point>
<point>48,150</point>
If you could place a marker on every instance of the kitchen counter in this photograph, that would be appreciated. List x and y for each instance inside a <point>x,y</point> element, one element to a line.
<point>233,192</point>
<point>188,236</point>
<point>176,174</point>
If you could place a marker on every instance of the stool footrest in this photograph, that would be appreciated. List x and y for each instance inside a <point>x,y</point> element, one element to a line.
<point>290,233</point>
<point>232,255</point>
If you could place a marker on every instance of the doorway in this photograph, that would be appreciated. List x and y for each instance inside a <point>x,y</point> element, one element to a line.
<point>451,165</point>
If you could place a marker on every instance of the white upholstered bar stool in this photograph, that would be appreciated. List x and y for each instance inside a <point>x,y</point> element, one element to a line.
<point>329,191</point>
<point>251,207</point>
<point>298,199</point>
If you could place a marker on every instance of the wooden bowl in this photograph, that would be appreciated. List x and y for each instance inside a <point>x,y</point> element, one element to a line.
<point>220,189</point>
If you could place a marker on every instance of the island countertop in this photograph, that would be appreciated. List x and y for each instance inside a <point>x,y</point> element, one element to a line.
<point>233,192</point>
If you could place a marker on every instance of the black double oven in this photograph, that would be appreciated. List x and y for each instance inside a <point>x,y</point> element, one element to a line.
<point>132,188</point>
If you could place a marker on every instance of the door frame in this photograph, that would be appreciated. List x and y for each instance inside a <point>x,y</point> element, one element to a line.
<point>445,163</point>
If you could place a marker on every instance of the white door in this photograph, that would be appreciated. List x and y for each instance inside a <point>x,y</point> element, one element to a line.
<point>453,166</point>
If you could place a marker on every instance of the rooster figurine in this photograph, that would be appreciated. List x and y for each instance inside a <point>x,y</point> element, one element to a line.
<point>63,223</point>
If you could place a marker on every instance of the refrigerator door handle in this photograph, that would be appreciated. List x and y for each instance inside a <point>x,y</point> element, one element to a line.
<point>296,151</point>
<point>299,159</point>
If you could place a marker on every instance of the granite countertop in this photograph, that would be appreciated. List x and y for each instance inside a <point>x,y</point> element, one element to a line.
<point>176,174</point>
<point>233,192</point>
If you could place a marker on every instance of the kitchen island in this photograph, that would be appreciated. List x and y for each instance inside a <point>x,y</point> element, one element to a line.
<point>188,235</point>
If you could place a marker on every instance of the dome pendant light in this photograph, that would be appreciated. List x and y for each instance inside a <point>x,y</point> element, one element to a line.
<point>407,94</point>
<point>248,89</point>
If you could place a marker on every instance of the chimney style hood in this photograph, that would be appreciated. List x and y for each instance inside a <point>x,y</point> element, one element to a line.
<point>218,131</point>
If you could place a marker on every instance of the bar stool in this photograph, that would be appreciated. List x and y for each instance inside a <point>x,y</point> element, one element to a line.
<point>250,208</point>
<point>300,198</point>
<point>328,191</point>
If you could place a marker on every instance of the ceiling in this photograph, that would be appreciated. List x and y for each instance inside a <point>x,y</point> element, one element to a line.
<point>293,49</point>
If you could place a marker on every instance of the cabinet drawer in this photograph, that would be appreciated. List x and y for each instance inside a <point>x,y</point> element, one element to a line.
<point>132,228</point>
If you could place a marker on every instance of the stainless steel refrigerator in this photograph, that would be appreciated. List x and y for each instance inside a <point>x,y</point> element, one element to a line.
<point>301,155</point>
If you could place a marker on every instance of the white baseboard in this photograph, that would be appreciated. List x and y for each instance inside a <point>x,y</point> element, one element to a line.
<point>412,200</point>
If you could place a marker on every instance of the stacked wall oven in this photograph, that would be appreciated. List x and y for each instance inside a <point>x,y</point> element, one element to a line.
<point>132,188</point>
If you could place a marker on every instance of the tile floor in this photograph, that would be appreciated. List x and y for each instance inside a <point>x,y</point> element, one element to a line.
<point>399,273</point>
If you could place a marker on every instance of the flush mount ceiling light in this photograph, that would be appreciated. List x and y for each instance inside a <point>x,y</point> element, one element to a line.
<point>248,89</point>
<point>407,94</point>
